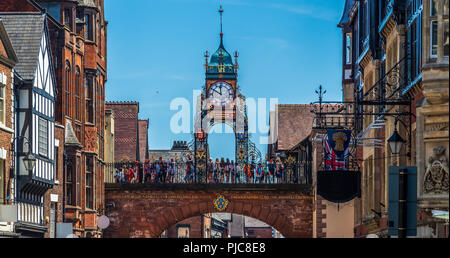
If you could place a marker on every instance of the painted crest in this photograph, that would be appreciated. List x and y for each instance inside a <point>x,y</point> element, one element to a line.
<point>201,135</point>
<point>221,203</point>
<point>241,135</point>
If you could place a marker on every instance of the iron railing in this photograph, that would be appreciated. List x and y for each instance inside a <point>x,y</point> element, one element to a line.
<point>177,173</point>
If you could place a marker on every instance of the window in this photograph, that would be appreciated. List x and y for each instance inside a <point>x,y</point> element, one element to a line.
<point>88,27</point>
<point>89,99</point>
<point>78,95</point>
<point>69,185</point>
<point>348,48</point>
<point>2,181</point>
<point>89,182</point>
<point>434,39</point>
<point>2,103</point>
<point>68,18</point>
<point>43,137</point>
<point>56,162</point>
<point>183,232</point>
<point>446,38</point>
<point>433,5</point>
<point>67,97</point>
<point>446,7</point>
<point>414,34</point>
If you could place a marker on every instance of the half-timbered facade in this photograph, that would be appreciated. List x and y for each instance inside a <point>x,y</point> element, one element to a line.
<point>78,31</point>
<point>34,118</point>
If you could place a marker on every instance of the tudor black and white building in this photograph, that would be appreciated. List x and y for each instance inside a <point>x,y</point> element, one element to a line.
<point>34,86</point>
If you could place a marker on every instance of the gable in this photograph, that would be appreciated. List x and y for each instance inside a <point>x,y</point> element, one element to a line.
<point>2,49</point>
<point>44,76</point>
<point>7,54</point>
<point>26,43</point>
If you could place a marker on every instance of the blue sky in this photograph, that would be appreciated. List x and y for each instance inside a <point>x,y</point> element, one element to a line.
<point>155,54</point>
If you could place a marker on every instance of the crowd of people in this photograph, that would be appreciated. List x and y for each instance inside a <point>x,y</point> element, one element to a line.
<point>159,171</point>
<point>222,171</point>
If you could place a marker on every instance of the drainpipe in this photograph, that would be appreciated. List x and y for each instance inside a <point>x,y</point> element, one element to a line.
<point>64,186</point>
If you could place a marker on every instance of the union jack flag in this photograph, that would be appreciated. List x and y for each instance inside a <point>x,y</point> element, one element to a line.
<point>331,161</point>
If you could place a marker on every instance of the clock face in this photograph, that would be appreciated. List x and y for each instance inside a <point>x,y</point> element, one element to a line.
<point>221,94</point>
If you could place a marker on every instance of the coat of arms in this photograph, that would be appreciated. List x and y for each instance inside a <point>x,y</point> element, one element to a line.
<point>221,203</point>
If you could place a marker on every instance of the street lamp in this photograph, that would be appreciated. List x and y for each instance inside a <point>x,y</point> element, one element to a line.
<point>29,162</point>
<point>396,141</point>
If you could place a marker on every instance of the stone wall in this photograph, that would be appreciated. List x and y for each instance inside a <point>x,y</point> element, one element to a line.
<point>140,211</point>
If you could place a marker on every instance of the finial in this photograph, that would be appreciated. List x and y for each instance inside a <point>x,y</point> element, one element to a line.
<point>221,31</point>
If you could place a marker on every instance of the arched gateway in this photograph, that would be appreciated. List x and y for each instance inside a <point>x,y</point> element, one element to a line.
<point>145,211</point>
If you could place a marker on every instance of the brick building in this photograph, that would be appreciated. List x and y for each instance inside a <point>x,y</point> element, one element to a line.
<point>77,34</point>
<point>8,60</point>
<point>130,133</point>
<point>210,225</point>
<point>254,228</point>
<point>143,139</point>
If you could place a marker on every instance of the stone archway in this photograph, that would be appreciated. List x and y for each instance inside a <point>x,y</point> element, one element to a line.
<point>138,212</point>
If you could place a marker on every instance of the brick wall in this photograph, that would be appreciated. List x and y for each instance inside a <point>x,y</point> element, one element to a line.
<point>147,213</point>
<point>194,224</point>
<point>6,133</point>
<point>254,232</point>
<point>143,138</point>
<point>125,130</point>
<point>58,187</point>
<point>16,6</point>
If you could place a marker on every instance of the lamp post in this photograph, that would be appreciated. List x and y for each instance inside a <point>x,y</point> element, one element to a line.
<point>29,160</point>
<point>396,142</point>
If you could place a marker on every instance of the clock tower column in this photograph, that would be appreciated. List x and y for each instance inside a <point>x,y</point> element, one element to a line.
<point>221,103</point>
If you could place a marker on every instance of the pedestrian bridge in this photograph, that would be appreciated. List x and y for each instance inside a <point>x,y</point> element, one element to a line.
<point>146,210</point>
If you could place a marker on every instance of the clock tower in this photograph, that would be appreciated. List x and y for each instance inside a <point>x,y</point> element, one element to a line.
<point>221,103</point>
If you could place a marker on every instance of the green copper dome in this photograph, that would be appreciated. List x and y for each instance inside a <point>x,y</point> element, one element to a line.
<point>221,62</point>
<point>221,57</point>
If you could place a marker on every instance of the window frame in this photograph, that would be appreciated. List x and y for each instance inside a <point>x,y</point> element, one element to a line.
<point>90,99</point>
<point>2,104</point>
<point>78,95</point>
<point>90,184</point>
<point>348,48</point>
<point>432,37</point>
<point>67,93</point>
<point>43,141</point>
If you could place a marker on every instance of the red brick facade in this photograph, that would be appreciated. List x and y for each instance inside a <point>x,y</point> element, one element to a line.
<point>256,232</point>
<point>58,187</point>
<point>194,226</point>
<point>141,213</point>
<point>143,139</point>
<point>125,130</point>
<point>6,125</point>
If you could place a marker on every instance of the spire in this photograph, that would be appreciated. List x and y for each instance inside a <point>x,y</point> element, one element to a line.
<point>221,31</point>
